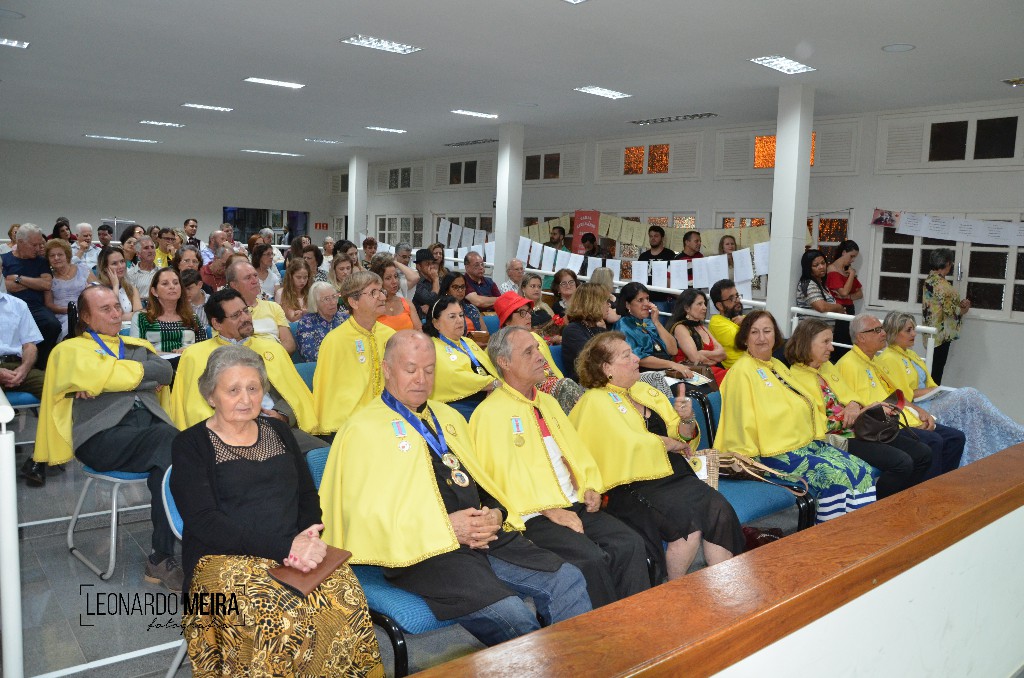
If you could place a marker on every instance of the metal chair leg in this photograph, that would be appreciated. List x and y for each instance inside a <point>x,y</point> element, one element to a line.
<point>112,559</point>
<point>398,645</point>
<point>178,659</point>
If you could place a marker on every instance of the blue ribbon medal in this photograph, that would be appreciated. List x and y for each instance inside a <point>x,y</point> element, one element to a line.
<point>436,443</point>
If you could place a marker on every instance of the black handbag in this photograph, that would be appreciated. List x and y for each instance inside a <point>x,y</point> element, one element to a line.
<point>876,425</point>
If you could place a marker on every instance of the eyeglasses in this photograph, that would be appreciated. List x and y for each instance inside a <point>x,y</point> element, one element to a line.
<point>456,287</point>
<point>238,314</point>
<point>567,283</point>
<point>328,298</point>
<point>522,311</point>
<point>734,297</point>
<point>376,293</point>
<point>873,330</point>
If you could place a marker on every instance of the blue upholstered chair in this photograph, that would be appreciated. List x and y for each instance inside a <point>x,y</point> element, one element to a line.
<point>491,322</point>
<point>177,527</point>
<point>396,611</point>
<point>306,371</point>
<point>116,479</point>
<point>556,353</point>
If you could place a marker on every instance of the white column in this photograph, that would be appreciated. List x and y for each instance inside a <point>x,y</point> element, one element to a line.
<point>508,209</point>
<point>789,196</point>
<point>358,186</point>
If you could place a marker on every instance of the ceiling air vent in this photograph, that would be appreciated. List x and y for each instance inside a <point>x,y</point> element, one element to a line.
<point>674,118</point>
<point>472,143</point>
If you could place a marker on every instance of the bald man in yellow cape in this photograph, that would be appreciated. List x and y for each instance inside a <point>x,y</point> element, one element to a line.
<point>525,442</point>
<point>414,508</point>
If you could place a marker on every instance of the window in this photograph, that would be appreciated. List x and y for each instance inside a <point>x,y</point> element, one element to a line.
<point>654,158</point>
<point>764,150</point>
<point>481,222</point>
<point>462,173</point>
<point>995,138</point>
<point>740,221</point>
<point>394,229</point>
<point>550,162</point>
<point>827,231</point>
<point>991,276</point>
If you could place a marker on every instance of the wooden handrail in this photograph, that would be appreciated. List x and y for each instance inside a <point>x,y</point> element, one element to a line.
<point>713,618</point>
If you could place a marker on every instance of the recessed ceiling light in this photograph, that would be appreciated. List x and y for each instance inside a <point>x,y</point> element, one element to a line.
<point>474,142</point>
<point>381,44</point>
<point>324,141</point>
<point>602,92</point>
<point>782,64</point>
<point>1014,82</point>
<point>290,155</point>
<point>387,129</point>
<point>898,47</point>
<point>475,114</point>
<point>204,107</point>
<point>275,83</point>
<point>575,2</point>
<point>161,124</point>
<point>140,141</point>
<point>674,118</point>
<point>6,42</point>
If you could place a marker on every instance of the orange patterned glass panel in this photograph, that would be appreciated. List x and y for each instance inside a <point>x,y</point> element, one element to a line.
<point>633,160</point>
<point>657,159</point>
<point>681,221</point>
<point>728,222</point>
<point>832,230</point>
<point>757,222</point>
<point>658,221</point>
<point>764,151</point>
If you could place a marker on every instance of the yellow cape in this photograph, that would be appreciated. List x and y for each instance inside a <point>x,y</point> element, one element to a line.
<point>624,450</point>
<point>342,384</point>
<point>761,416</point>
<point>871,380</point>
<point>552,368</point>
<point>79,365</point>
<point>807,377</point>
<point>900,365</point>
<point>455,379</point>
<point>525,474</point>
<point>383,504</point>
<point>188,407</point>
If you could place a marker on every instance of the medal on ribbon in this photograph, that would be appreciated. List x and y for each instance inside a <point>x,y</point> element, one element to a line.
<point>460,478</point>
<point>517,432</point>
<point>400,432</point>
<point>361,350</point>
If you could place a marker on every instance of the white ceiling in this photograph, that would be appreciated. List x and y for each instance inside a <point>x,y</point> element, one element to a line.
<point>101,66</point>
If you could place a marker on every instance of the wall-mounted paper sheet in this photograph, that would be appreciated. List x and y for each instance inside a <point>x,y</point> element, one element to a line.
<point>561,259</point>
<point>603,223</point>
<point>615,228</point>
<point>640,272</point>
<point>742,265</point>
<point>575,262</point>
<point>536,252</point>
<point>548,261</point>
<point>479,249</point>
<point>745,289</point>
<point>939,227</point>
<point>718,269</point>
<point>479,237</point>
<point>594,263</point>
<point>455,238</point>
<point>701,272</point>
<point>677,272</point>
<point>761,251</point>
<point>489,254</point>
<point>659,273</point>
<point>444,231</point>
<point>449,254</point>
<point>467,237</point>
<point>523,251</point>
<point>461,254</point>
<point>615,266</point>
<point>910,223</point>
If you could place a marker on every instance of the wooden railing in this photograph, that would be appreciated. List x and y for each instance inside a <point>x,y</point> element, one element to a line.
<point>711,619</point>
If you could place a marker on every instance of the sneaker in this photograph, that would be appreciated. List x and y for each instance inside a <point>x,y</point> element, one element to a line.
<point>167,572</point>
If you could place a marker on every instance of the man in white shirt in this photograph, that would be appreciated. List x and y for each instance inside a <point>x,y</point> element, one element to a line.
<point>82,251</point>
<point>18,338</point>
<point>229,238</point>
<point>142,273</point>
<point>515,269</point>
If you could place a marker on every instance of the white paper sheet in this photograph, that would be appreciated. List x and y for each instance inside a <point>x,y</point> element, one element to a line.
<point>742,266</point>
<point>594,263</point>
<point>701,272</point>
<point>939,227</point>
<point>745,289</point>
<point>479,249</point>
<point>536,252</point>
<point>910,223</point>
<point>444,230</point>
<point>561,259</point>
<point>548,260</point>
<point>523,251</point>
<point>761,251</point>
<point>659,273</point>
<point>489,254</point>
<point>680,279</point>
<point>640,272</point>
<point>479,237</point>
<point>467,237</point>
<point>575,262</point>
<point>384,248</point>
<point>718,268</point>
<point>449,254</point>
<point>616,267</point>
<point>461,254</point>
<point>455,238</point>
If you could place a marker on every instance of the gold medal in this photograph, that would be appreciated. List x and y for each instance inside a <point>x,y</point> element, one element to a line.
<point>404,446</point>
<point>460,478</point>
<point>449,460</point>
<point>268,356</point>
<point>518,440</point>
<point>622,408</point>
<point>453,357</point>
<point>653,392</point>
<point>362,358</point>
<point>449,429</point>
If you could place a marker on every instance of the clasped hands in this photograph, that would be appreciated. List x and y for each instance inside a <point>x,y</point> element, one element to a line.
<point>308,550</point>
<point>476,528</point>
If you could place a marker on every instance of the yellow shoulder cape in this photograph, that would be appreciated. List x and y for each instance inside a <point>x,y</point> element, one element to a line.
<point>188,407</point>
<point>79,365</point>
<point>454,376</point>
<point>807,377</point>
<point>342,382</point>
<point>900,365</point>
<point>871,380</point>
<point>615,433</point>
<point>525,474</point>
<point>383,504</point>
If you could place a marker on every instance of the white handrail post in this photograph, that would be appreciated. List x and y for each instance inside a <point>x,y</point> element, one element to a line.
<point>10,565</point>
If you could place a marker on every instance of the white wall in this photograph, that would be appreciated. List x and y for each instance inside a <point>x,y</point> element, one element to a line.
<point>41,182</point>
<point>959,613</point>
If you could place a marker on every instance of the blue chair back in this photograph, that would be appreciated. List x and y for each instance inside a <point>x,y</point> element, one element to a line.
<point>280,268</point>
<point>316,460</point>
<point>408,610</point>
<point>306,371</point>
<point>556,353</point>
<point>702,423</point>
<point>170,508</point>
<point>491,322</point>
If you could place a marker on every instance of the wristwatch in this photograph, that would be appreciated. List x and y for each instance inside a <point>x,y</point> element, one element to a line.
<point>17,280</point>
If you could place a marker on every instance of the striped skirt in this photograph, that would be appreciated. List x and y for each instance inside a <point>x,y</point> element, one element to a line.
<point>273,632</point>
<point>839,481</point>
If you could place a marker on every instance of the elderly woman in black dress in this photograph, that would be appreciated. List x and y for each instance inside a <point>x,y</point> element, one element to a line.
<point>248,504</point>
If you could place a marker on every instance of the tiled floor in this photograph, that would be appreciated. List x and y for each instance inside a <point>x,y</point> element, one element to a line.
<point>61,598</point>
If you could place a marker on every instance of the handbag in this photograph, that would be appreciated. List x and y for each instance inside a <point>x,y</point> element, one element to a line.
<point>876,425</point>
<point>705,465</point>
<point>742,467</point>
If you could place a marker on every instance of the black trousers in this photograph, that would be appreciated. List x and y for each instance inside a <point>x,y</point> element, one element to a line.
<point>610,554</point>
<point>139,443</point>
<point>947,445</point>
<point>939,357</point>
<point>50,328</point>
<point>904,462</point>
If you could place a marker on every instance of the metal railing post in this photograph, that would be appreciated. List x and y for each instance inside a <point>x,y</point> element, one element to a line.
<point>10,565</point>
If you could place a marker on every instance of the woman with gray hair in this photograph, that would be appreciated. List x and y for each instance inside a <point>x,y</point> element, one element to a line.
<point>323,315</point>
<point>942,307</point>
<point>249,504</point>
<point>987,429</point>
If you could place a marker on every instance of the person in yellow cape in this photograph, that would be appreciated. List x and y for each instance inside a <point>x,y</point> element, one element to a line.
<point>644,445</point>
<point>514,311</point>
<point>873,382</point>
<point>902,462</point>
<point>525,444</point>
<point>400,491</point>
<point>104,399</point>
<point>986,428</point>
<point>288,399</point>
<point>766,413</point>
<point>463,374</point>
<point>348,372</point>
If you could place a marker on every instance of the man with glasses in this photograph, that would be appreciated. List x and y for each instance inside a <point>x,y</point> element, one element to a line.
<point>726,323</point>
<point>515,269</point>
<point>165,253</point>
<point>288,399</point>
<point>872,384</point>
<point>481,290</point>
<point>268,318</point>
